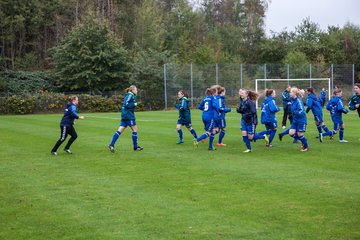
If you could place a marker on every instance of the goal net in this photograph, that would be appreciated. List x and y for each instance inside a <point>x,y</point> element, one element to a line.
<point>279,85</point>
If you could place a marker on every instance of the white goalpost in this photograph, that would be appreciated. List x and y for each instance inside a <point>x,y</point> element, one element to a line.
<point>288,81</point>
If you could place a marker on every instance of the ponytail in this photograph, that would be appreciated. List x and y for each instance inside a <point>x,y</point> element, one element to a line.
<point>72,98</point>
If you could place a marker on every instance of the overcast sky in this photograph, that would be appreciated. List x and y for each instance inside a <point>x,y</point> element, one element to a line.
<point>287,14</point>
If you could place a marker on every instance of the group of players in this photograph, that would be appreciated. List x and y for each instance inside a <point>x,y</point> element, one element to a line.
<point>214,112</point>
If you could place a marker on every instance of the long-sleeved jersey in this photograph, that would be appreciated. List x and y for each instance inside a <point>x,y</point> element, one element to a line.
<point>268,110</point>
<point>184,109</point>
<point>127,110</point>
<point>70,114</point>
<point>336,108</point>
<point>216,105</point>
<point>223,110</point>
<point>355,99</point>
<point>322,98</point>
<point>248,111</point>
<point>286,98</point>
<point>298,111</point>
<point>208,107</point>
<point>314,105</point>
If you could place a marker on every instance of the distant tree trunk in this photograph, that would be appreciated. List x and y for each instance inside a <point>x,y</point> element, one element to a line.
<point>77,13</point>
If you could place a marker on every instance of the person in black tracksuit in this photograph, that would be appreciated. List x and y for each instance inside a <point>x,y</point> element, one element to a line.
<point>67,125</point>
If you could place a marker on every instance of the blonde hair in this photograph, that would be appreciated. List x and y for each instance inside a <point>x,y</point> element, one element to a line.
<point>131,88</point>
<point>298,92</point>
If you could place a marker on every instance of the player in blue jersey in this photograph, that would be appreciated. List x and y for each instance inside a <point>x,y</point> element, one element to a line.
<point>322,97</point>
<point>286,106</point>
<point>209,109</point>
<point>354,102</point>
<point>127,119</point>
<point>268,111</point>
<point>336,108</point>
<point>184,115</point>
<point>67,125</point>
<point>314,104</point>
<point>222,121</point>
<point>249,119</point>
<point>299,121</point>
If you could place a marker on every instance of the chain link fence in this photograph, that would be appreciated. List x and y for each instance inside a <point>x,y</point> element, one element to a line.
<point>196,78</point>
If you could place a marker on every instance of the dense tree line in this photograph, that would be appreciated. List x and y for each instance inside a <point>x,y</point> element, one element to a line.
<point>88,44</point>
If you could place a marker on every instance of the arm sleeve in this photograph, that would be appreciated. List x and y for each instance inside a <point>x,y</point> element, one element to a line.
<point>273,107</point>
<point>74,112</point>
<point>128,103</point>
<point>201,105</point>
<point>183,105</point>
<point>352,103</point>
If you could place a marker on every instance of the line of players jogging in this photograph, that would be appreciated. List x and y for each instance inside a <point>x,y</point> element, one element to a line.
<point>214,116</point>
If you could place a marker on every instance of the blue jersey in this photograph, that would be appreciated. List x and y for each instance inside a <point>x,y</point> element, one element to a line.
<point>298,111</point>
<point>286,98</point>
<point>70,115</point>
<point>322,98</point>
<point>127,110</point>
<point>184,110</point>
<point>268,110</point>
<point>216,105</point>
<point>314,105</point>
<point>208,107</point>
<point>336,108</point>
<point>248,111</point>
<point>223,110</point>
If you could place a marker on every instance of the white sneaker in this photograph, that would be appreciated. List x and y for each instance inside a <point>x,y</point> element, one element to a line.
<point>343,141</point>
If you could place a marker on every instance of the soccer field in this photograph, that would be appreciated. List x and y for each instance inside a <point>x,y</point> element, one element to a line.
<point>171,191</point>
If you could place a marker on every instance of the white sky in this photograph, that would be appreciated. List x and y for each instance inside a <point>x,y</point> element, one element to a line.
<point>287,14</point>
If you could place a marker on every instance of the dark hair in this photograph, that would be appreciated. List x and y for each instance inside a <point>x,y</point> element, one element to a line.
<point>310,89</point>
<point>336,91</point>
<point>184,93</point>
<point>357,84</point>
<point>72,98</point>
<point>252,95</point>
<point>221,90</point>
<point>268,92</point>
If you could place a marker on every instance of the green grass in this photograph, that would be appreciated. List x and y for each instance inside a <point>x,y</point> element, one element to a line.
<point>171,191</point>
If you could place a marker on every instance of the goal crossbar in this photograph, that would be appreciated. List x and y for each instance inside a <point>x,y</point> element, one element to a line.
<point>291,80</point>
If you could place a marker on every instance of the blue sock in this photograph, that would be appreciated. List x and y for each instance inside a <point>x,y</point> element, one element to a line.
<point>211,140</point>
<point>135,139</point>
<point>267,132</point>
<point>272,135</point>
<point>285,132</point>
<point>328,133</point>
<point>325,128</point>
<point>295,136</point>
<point>192,131</point>
<point>319,128</point>
<point>204,136</point>
<point>258,136</point>
<point>221,136</point>
<point>304,141</point>
<point>115,138</point>
<point>341,134</point>
<point>180,134</point>
<point>247,142</point>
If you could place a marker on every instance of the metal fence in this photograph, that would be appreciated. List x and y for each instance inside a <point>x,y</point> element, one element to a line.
<point>196,78</point>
